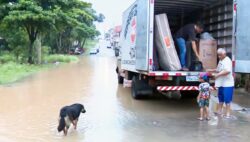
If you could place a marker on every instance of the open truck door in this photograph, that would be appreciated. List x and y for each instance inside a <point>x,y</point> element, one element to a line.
<point>242,35</point>
<point>142,35</point>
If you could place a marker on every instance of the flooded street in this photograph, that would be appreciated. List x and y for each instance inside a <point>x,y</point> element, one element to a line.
<point>30,108</point>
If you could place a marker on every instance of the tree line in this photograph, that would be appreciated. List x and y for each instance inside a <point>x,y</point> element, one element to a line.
<point>28,26</point>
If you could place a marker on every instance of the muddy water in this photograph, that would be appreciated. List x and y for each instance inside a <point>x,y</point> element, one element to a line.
<point>29,110</point>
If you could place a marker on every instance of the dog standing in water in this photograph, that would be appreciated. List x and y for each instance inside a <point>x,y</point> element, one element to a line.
<point>68,115</point>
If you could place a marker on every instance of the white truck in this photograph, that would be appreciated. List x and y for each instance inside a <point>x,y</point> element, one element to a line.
<point>227,20</point>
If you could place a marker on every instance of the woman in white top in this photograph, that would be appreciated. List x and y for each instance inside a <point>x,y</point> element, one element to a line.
<point>224,80</point>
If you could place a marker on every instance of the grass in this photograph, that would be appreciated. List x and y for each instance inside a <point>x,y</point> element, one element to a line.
<point>11,72</point>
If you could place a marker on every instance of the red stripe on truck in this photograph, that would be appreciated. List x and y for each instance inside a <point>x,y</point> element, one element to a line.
<point>178,74</point>
<point>177,88</point>
<point>235,7</point>
<point>181,88</point>
<point>151,74</point>
<point>150,62</point>
<point>165,75</point>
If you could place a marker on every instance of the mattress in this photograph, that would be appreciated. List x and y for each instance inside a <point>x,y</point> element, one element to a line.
<point>168,58</point>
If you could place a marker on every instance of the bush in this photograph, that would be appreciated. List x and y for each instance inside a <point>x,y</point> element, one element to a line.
<point>6,58</point>
<point>60,58</point>
<point>45,52</point>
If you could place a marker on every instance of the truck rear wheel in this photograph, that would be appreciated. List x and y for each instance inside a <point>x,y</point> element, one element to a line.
<point>134,88</point>
<point>140,88</point>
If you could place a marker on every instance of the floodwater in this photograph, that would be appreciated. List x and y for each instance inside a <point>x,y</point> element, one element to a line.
<point>29,110</point>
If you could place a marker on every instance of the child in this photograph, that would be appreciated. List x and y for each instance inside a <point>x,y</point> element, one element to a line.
<point>203,97</point>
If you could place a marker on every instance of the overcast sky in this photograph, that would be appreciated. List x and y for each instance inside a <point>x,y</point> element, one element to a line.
<point>112,9</point>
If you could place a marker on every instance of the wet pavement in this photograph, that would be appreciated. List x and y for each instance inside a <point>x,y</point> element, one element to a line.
<point>29,109</point>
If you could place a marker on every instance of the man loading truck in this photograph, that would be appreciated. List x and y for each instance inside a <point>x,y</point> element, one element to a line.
<point>184,34</point>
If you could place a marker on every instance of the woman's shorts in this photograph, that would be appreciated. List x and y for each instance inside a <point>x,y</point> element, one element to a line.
<point>225,94</point>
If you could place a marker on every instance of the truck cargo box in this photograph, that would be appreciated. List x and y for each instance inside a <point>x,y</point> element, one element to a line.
<point>219,18</point>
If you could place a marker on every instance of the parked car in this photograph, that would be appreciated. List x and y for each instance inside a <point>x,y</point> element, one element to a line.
<point>109,45</point>
<point>94,51</point>
<point>76,51</point>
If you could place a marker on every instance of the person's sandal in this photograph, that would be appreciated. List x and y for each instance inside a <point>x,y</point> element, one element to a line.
<point>227,116</point>
<point>217,114</point>
<point>208,118</point>
<point>200,118</point>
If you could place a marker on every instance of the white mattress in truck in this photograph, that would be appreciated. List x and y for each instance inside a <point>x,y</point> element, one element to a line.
<point>168,58</point>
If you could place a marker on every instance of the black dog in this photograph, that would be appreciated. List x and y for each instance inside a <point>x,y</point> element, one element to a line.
<point>68,115</point>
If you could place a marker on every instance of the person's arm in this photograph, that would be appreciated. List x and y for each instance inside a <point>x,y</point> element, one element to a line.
<point>222,73</point>
<point>194,47</point>
<point>198,97</point>
<point>226,70</point>
<point>211,70</point>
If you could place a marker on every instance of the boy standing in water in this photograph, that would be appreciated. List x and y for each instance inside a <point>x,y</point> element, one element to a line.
<point>203,98</point>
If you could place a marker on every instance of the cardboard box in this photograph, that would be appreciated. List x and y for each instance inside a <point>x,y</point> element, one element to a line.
<point>208,53</point>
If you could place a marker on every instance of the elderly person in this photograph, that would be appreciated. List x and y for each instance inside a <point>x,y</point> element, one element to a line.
<point>224,81</point>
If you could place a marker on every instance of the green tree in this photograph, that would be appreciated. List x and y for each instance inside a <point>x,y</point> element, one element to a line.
<point>87,28</point>
<point>60,22</point>
<point>16,38</point>
<point>73,23</point>
<point>29,15</point>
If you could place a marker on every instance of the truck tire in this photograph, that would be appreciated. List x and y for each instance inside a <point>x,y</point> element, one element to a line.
<point>134,88</point>
<point>120,79</point>
<point>140,88</point>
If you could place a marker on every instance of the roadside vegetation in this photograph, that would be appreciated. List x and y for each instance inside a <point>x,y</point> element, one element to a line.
<point>12,70</point>
<point>34,33</point>
<point>60,58</point>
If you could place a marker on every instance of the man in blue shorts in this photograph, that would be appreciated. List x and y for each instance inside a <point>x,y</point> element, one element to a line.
<point>224,80</point>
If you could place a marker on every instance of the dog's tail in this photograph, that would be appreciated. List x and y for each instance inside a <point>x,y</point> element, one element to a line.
<point>61,124</point>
